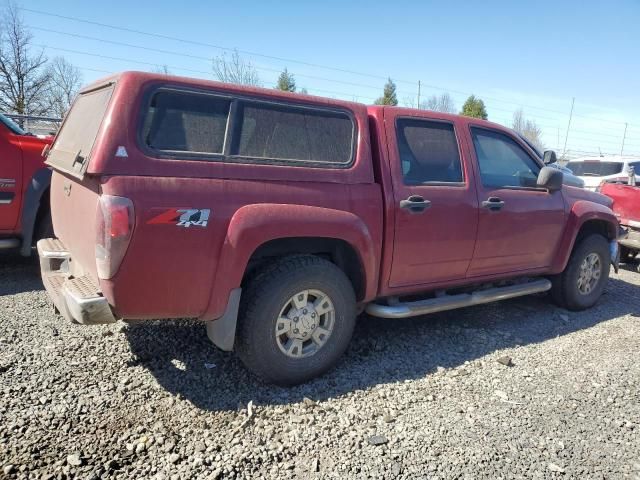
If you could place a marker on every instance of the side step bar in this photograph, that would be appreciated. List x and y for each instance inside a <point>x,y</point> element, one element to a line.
<point>6,243</point>
<point>451,302</point>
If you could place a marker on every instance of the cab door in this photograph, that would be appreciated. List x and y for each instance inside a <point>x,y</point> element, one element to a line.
<point>436,208</point>
<point>10,180</point>
<point>520,225</point>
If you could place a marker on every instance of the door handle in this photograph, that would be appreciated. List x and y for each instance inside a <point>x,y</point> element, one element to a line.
<point>493,203</point>
<point>415,204</point>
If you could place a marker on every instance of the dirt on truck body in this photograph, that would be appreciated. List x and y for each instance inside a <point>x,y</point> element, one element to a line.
<point>277,217</point>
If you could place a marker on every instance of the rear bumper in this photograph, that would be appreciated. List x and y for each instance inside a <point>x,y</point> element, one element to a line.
<point>77,298</point>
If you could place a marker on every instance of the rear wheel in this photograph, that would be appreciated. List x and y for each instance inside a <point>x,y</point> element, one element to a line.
<point>583,280</point>
<point>296,319</point>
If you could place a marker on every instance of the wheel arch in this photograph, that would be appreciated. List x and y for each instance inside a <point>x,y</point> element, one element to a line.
<point>584,219</point>
<point>32,207</point>
<point>262,231</point>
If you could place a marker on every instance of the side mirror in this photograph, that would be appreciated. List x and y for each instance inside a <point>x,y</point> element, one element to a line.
<point>549,157</point>
<point>550,178</point>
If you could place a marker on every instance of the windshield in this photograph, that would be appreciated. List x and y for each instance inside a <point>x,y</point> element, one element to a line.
<point>11,125</point>
<point>594,168</point>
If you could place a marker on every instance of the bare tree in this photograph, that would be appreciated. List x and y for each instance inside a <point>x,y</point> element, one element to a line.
<point>24,78</point>
<point>440,103</point>
<point>65,82</point>
<point>164,69</point>
<point>528,128</point>
<point>235,69</point>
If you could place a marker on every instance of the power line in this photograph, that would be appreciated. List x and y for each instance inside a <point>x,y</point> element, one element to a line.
<point>286,60</point>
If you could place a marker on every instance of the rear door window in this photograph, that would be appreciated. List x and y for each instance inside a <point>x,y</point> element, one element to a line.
<point>274,133</point>
<point>190,122</point>
<point>72,147</point>
<point>595,168</point>
<point>428,152</point>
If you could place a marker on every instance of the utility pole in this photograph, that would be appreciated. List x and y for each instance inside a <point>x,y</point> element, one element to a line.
<point>564,150</point>
<point>624,137</point>
<point>418,106</point>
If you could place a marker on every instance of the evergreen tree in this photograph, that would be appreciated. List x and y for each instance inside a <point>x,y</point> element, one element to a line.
<point>474,107</point>
<point>389,96</point>
<point>286,82</point>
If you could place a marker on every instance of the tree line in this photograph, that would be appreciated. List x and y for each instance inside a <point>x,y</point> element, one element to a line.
<point>31,84</point>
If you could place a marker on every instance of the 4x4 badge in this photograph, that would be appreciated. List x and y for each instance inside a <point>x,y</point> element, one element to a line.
<point>182,217</point>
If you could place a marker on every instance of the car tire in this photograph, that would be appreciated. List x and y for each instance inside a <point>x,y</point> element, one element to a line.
<point>44,228</point>
<point>296,319</point>
<point>577,287</point>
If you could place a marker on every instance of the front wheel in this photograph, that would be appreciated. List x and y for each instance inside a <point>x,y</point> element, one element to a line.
<point>581,284</point>
<point>296,319</point>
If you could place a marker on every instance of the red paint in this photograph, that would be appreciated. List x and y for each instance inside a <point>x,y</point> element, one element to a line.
<point>20,158</point>
<point>170,271</point>
<point>626,201</point>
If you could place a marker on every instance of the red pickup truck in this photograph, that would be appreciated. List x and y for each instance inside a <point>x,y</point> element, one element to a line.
<point>24,188</point>
<point>276,218</point>
<point>626,206</point>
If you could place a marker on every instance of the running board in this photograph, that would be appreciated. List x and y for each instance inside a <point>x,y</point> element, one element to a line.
<point>451,302</point>
<point>9,243</point>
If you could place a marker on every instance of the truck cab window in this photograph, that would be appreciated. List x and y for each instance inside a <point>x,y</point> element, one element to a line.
<point>502,162</point>
<point>428,152</point>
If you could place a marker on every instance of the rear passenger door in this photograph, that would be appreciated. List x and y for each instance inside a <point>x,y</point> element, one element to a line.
<point>436,208</point>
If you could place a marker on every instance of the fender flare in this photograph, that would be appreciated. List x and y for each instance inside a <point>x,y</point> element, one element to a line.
<point>40,182</point>
<point>253,225</point>
<point>581,212</point>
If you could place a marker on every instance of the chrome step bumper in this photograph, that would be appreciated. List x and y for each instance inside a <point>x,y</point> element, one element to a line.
<point>451,302</point>
<point>77,298</point>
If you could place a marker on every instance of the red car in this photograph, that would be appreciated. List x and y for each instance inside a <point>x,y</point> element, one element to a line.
<point>626,206</point>
<point>277,217</point>
<point>24,188</point>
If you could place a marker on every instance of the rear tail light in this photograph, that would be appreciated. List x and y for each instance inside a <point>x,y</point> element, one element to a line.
<point>114,225</point>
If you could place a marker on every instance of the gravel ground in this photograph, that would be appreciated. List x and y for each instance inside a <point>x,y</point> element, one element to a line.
<point>420,398</point>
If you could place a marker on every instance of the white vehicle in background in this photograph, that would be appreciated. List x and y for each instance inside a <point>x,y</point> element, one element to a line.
<point>593,170</point>
<point>550,160</point>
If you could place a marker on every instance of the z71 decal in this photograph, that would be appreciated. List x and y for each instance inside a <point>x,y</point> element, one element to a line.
<point>182,217</point>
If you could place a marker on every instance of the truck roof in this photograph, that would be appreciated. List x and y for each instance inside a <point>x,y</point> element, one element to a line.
<point>136,77</point>
<point>144,77</point>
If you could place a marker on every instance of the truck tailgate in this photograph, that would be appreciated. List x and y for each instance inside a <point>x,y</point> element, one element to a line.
<point>73,210</point>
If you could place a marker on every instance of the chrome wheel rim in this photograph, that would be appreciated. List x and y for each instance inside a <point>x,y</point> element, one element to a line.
<point>590,273</point>
<point>305,323</point>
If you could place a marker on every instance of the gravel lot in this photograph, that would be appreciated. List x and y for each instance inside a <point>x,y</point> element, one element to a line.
<point>425,397</point>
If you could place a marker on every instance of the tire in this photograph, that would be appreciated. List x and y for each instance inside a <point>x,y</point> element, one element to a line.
<point>567,291</point>
<point>272,299</point>
<point>44,228</point>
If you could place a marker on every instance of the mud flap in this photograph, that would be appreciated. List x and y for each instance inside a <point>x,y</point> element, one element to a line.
<point>222,331</point>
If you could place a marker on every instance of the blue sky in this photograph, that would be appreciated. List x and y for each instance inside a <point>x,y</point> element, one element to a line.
<point>511,54</point>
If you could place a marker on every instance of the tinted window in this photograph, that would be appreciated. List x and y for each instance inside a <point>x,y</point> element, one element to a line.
<point>186,122</point>
<point>293,133</point>
<point>594,168</point>
<point>502,162</point>
<point>636,166</point>
<point>428,152</point>
<point>75,140</point>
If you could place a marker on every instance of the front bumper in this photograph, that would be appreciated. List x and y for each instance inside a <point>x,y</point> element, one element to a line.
<point>77,298</point>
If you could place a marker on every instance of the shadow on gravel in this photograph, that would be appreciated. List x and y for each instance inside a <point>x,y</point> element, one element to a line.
<point>19,274</point>
<point>382,351</point>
